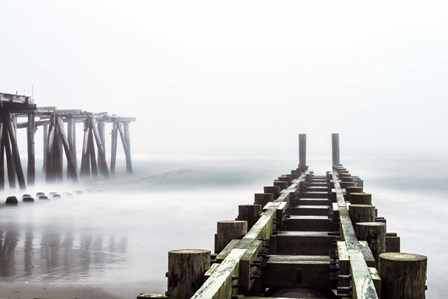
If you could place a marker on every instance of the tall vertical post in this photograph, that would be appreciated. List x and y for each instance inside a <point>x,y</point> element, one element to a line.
<point>45,143</point>
<point>113,151</point>
<point>50,152</point>
<point>11,165</point>
<point>302,151</point>
<point>71,135</point>
<point>335,148</point>
<point>128,148</point>
<point>2,157</point>
<point>31,129</point>
<point>15,152</point>
<point>85,162</point>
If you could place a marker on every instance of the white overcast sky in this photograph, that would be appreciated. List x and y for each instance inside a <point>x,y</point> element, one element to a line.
<point>239,77</point>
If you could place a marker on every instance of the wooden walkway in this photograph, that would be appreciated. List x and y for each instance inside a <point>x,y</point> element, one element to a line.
<point>58,139</point>
<point>306,236</point>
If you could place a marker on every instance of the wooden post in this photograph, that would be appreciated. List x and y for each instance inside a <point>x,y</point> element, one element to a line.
<point>375,235</point>
<point>227,231</point>
<point>360,198</point>
<point>403,275</point>
<point>335,148</point>
<point>249,213</point>
<point>9,160</point>
<point>58,161</point>
<point>16,154</point>
<point>31,130</point>
<point>85,159</point>
<point>113,151</point>
<point>92,154</point>
<point>102,163</point>
<point>2,157</point>
<point>100,125</point>
<point>50,149</point>
<point>186,269</point>
<point>45,149</point>
<point>361,213</point>
<point>71,135</point>
<point>350,189</point>
<point>302,151</point>
<point>71,166</point>
<point>263,198</point>
<point>128,147</point>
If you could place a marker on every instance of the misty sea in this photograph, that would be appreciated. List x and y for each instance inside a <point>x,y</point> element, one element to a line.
<point>117,234</point>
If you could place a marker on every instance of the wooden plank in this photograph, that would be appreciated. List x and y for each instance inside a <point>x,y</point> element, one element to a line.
<point>15,153</point>
<point>71,167</point>
<point>284,271</point>
<point>31,130</point>
<point>221,283</point>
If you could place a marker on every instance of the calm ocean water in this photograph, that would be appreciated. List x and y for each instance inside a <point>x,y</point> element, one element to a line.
<point>117,234</point>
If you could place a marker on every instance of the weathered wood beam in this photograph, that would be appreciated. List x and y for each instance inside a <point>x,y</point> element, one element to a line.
<point>85,162</point>
<point>363,286</point>
<point>102,163</point>
<point>71,132</point>
<point>37,123</point>
<point>11,165</point>
<point>50,148</point>
<point>71,167</point>
<point>113,155</point>
<point>221,283</point>
<point>58,160</point>
<point>128,147</point>
<point>15,153</point>
<point>92,154</point>
<point>45,144</point>
<point>31,130</point>
<point>2,157</point>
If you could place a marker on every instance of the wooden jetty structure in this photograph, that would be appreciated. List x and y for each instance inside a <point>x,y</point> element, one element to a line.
<point>59,138</point>
<point>305,236</point>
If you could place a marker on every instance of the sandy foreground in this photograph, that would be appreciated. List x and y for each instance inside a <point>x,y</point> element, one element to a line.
<point>30,291</point>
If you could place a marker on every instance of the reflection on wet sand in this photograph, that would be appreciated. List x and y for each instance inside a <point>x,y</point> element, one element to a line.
<point>61,255</point>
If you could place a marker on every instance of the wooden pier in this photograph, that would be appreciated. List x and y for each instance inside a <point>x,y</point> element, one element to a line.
<point>59,138</point>
<point>306,236</point>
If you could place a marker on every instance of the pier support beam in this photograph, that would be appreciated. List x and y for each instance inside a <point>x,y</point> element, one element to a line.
<point>113,151</point>
<point>31,130</point>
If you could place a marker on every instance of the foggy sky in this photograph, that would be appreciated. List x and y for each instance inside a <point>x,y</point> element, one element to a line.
<point>239,77</point>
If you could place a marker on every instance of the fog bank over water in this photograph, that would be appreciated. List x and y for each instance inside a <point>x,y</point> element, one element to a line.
<point>117,239</point>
